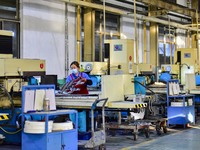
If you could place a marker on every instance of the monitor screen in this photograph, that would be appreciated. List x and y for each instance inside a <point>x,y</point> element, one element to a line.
<point>50,79</point>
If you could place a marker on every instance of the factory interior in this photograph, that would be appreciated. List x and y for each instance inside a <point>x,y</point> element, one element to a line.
<point>99,74</point>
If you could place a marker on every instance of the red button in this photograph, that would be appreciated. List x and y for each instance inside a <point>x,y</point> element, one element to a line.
<point>41,66</point>
<point>130,58</point>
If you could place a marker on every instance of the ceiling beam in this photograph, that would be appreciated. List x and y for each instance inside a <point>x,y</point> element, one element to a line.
<point>125,13</point>
<point>171,7</point>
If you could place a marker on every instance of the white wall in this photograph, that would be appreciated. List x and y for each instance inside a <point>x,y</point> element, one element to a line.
<point>43,34</point>
<point>182,2</point>
<point>128,31</point>
<point>181,39</point>
<point>71,33</point>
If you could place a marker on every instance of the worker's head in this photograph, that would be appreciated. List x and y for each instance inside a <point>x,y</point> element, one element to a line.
<point>75,67</point>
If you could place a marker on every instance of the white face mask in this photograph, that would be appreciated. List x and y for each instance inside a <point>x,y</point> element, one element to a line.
<point>74,71</point>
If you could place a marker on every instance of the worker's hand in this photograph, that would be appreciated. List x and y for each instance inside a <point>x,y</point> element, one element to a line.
<point>83,80</point>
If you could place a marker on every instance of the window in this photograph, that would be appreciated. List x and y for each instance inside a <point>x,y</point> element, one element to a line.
<point>166,47</point>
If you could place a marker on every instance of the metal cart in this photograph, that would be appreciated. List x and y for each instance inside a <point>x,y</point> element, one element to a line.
<point>91,102</point>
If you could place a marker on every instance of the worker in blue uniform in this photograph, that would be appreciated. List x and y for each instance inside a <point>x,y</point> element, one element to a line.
<point>80,79</point>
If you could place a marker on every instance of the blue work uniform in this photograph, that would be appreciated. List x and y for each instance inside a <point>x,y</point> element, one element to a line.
<point>83,89</point>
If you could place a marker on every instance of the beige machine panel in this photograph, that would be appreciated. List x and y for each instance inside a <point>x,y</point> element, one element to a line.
<point>95,68</point>
<point>184,71</point>
<point>173,69</point>
<point>128,84</point>
<point>6,33</point>
<point>115,87</point>
<point>121,53</point>
<point>188,55</point>
<point>16,84</point>
<point>112,87</point>
<point>190,82</point>
<point>144,68</point>
<point>16,67</point>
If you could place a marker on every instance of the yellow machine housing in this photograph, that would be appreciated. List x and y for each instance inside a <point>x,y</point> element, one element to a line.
<point>121,56</point>
<point>143,68</point>
<point>186,55</point>
<point>95,68</point>
<point>115,87</point>
<point>14,72</point>
<point>186,58</point>
<point>21,67</point>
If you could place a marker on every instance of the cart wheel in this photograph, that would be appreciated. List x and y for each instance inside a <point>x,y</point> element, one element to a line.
<point>135,136</point>
<point>1,141</point>
<point>146,132</point>
<point>165,129</point>
<point>102,147</point>
<point>158,129</point>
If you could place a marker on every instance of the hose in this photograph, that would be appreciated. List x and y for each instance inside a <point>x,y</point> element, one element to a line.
<point>147,88</point>
<point>11,101</point>
<point>10,132</point>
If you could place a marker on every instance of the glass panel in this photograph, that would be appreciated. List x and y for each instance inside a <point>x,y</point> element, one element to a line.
<point>161,53</point>
<point>14,27</point>
<point>112,31</point>
<point>173,51</point>
<point>167,52</point>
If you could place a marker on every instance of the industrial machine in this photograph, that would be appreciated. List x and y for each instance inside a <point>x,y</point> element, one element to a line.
<point>13,75</point>
<point>186,59</point>
<point>120,54</point>
<point>95,70</point>
<point>121,60</point>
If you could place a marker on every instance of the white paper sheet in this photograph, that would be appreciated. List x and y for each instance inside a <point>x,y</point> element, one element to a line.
<point>39,98</point>
<point>178,88</point>
<point>29,100</point>
<point>175,88</point>
<point>170,88</point>
<point>51,95</point>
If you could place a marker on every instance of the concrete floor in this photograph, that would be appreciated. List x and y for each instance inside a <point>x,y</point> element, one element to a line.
<point>180,139</point>
<point>174,139</point>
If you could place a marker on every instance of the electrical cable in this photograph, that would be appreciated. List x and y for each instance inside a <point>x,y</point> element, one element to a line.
<point>10,132</point>
<point>11,101</point>
<point>150,106</point>
<point>150,102</point>
<point>147,88</point>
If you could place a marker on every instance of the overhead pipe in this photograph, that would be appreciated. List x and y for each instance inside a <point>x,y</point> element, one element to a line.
<point>78,33</point>
<point>198,52</point>
<point>136,41</point>
<point>104,27</point>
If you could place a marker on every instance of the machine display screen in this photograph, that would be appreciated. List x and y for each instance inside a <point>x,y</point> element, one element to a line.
<point>187,55</point>
<point>118,47</point>
<point>6,44</point>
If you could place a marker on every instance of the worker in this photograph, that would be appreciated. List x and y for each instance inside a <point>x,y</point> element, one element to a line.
<point>79,80</point>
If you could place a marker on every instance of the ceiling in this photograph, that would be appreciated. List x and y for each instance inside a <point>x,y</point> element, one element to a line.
<point>157,8</point>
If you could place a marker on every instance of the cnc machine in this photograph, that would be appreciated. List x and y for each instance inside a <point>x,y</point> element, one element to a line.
<point>14,73</point>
